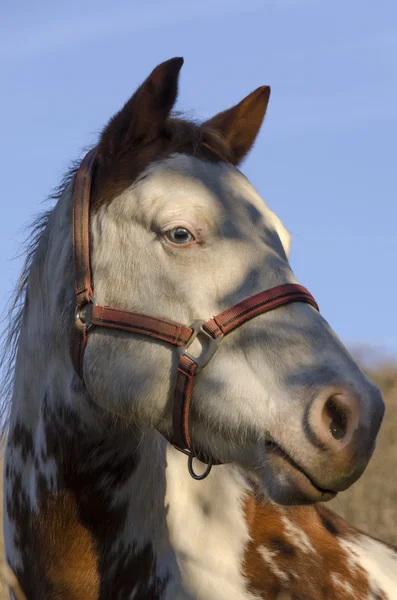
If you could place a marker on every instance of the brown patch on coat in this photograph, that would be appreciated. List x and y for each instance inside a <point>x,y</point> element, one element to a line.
<point>340,527</point>
<point>304,559</point>
<point>67,543</point>
<point>62,553</point>
<point>72,564</point>
<point>58,553</point>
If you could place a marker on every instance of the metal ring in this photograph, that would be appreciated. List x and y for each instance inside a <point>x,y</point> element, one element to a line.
<point>191,470</point>
<point>77,313</point>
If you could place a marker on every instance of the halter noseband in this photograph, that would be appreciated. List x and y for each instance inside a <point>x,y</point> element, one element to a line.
<point>88,315</point>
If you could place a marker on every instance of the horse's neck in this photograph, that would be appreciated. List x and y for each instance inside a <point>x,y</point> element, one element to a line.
<point>100,513</point>
<point>208,530</point>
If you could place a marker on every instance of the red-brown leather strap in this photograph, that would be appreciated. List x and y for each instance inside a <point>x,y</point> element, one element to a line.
<point>256,305</point>
<point>186,371</point>
<point>81,228</point>
<point>160,329</point>
<point>81,252</point>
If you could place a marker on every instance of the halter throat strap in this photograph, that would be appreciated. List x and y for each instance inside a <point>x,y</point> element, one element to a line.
<point>89,314</point>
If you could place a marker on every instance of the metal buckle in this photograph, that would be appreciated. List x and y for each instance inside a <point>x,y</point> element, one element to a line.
<point>80,317</point>
<point>213,345</point>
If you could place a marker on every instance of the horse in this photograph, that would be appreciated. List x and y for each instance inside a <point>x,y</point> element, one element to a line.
<point>179,409</point>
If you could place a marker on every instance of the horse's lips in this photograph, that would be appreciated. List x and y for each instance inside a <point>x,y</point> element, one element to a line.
<point>285,468</point>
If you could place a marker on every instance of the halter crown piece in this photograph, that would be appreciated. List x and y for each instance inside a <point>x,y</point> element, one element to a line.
<point>89,315</point>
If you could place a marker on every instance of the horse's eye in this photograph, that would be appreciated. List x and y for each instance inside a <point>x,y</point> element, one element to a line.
<point>179,235</point>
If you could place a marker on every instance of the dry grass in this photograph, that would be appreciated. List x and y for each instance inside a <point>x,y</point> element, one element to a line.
<point>371,504</point>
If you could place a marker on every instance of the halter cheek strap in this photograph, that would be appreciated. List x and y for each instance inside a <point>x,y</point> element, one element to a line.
<point>211,332</point>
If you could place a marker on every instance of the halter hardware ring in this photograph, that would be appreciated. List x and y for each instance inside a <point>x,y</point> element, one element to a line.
<point>80,320</point>
<point>212,345</point>
<point>192,472</point>
<point>190,458</point>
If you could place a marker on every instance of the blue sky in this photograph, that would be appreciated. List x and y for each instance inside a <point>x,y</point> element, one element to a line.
<point>325,160</point>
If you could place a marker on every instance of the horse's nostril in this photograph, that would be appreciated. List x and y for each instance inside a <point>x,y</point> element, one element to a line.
<point>334,418</point>
<point>341,424</point>
<point>338,418</point>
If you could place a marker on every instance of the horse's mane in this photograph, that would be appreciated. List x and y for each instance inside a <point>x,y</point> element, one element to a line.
<point>9,338</point>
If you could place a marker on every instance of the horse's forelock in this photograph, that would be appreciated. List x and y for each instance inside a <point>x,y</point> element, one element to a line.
<point>179,136</point>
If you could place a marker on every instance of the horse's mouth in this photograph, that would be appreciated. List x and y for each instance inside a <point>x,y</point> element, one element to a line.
<point>296,486</point>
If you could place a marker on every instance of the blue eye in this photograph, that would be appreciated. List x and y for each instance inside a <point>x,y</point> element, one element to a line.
<point>179,235</point>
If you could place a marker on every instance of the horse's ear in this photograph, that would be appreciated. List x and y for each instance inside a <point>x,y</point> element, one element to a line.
<point>142,117</point>
<point>240,124</point>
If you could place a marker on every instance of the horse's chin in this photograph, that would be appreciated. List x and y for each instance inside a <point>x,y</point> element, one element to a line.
<point>272,472</point>
<point>284,482</point>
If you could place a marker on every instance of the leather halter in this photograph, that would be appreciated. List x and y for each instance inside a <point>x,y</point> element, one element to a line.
<point>89,315</point>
